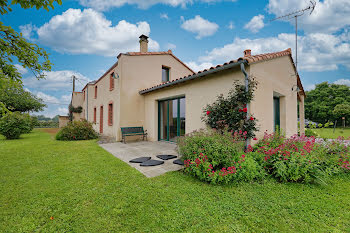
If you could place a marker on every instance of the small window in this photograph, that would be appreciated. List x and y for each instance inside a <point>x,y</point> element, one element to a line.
<point>111,81</point>
<point>165,74</point>
<point>95,112</point>
<point>95,92</point>
<point>110,114</point>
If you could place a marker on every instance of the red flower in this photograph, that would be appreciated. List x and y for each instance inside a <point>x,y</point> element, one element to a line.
<point>208,112</point>
<point>245,109</point>
<point>51,218</point>
<point>255,139</point>
<point>240,110</point>
<point>252,118</point>
<point>243,156</point>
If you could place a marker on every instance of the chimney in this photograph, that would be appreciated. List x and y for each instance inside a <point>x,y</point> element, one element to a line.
<point>247,53</point>
<point>143,44</point>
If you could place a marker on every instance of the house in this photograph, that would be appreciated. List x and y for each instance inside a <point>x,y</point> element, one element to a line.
<point>158,91</point>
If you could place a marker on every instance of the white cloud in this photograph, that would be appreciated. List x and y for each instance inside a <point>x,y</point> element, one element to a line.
<point>309,87</point>
<point>197,67</point>
<point>27,30</point>
<point>21,69</point>
<point>62,111</point>
<point>343,82</point>
<point>164,16</point>
<point>56,81</point>
<point>200,26</point>
<point>103,5</point>
<point>47,98</point>
<point>170,46</point>
<point>255,24</point>
<point>329,15</point>
<point>316,51</point>
<point>89,32</point>
<point>231,25</point>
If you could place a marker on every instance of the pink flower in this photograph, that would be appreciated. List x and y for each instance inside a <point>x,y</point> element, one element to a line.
<point>243,156</point>
<point>208,112</point>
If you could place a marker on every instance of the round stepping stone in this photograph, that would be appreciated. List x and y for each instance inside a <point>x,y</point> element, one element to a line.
<point>151,162</point>
<point>166,157</point>
<point>178,162</point>
<point>140,160</point>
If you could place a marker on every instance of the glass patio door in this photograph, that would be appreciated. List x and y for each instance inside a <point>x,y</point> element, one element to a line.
<point>171,119</point>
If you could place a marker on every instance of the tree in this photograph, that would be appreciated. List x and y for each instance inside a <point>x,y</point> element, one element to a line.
<point>320,102</point>
<point>15,98</point>
<point>342,110</point>
<point>14,45</point>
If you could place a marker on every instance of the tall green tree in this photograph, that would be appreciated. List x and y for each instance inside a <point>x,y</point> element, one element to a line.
<point>16,99</point>
<point>14,46</point>
<point>321,102</point>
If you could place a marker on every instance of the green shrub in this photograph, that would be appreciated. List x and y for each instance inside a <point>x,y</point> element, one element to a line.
<point>77,130</point>
<point>217,157</point>
<point>310,133</point>
<point>12,125</point>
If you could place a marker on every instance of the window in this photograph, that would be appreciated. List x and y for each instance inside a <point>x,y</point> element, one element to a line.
<point>165,74</point>
<point>95,92</point>
<point>110,114</point>
<point>95,112</point>
<point>111,81</point>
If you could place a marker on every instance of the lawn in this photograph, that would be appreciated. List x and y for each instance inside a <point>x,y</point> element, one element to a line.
<point>328,132</point>
<point>86,189</point>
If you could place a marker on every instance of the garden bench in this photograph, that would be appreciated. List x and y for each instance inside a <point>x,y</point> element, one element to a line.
<point>132,131</point>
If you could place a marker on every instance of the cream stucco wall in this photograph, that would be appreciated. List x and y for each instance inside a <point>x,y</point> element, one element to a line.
<point>104,97</point>
<point>197,94</point>
<point>77,100</point>
<point>140,72</point>
<point>275,77</point>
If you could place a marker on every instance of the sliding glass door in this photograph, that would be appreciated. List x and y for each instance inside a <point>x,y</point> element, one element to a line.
<point>171,119</point>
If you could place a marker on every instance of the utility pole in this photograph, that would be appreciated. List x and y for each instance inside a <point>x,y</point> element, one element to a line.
<point>73,78</point>
<point>295,15</point>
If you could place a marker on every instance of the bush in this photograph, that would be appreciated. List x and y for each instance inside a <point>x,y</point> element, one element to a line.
<point>12,125</point>
<point>310,133</point>
<point>302,159</point>
<point>231,112</point>
<point>217,157</point>
<point>77,130</point>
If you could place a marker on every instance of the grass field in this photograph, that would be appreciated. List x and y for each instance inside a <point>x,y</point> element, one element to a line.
<point>328,132</point>
<point>85,189</point>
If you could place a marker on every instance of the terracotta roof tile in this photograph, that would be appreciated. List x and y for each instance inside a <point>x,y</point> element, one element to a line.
<point>250,60</point>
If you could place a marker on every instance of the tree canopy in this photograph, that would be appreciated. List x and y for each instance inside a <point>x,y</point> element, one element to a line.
<point>321,102</point>
<point>15,98</point>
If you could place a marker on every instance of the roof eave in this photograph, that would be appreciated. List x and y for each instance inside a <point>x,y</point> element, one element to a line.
<point>194,76</point>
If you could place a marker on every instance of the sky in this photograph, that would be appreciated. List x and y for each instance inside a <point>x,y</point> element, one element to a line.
<point>84,37</point>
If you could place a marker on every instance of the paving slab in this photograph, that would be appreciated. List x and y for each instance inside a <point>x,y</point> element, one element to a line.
<point>133,150</point>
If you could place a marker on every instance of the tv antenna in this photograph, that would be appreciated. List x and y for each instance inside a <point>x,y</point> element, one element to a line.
<point>295,15</point>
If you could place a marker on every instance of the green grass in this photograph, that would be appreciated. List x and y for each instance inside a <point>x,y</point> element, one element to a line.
<point>328,132</point>
<point>86,189</point>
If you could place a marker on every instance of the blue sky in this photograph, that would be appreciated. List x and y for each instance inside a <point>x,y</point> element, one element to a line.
<point>84,37</point>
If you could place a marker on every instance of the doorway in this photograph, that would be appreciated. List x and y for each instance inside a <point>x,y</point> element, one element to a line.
<point>101,119</point>
<point>276,114</point>
<point>171,119</point>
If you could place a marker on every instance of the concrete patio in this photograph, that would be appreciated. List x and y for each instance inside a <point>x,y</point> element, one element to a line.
<point>132,150</point>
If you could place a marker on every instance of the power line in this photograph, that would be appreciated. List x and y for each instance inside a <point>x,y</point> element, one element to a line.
<point>295,15</point>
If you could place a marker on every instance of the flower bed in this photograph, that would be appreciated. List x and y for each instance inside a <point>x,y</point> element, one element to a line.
<point>219,158</point>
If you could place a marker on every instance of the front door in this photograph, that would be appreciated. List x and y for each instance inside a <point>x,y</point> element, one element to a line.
<point>171,119</point>
<point>101,119</point>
